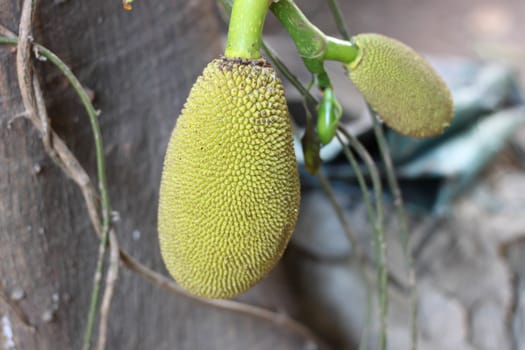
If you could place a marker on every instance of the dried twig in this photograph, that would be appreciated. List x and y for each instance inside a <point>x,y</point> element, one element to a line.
<point>31,100</point>
<point>97,280</point>
<point>23,59</point>
<point>26,81</point>
<point>111,280</point>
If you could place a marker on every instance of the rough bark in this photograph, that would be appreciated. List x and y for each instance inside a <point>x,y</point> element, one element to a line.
<point>140,65</point>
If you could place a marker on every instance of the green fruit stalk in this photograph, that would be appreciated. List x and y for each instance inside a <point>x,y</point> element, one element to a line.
<point>229,195</point>
<point>401,86</point>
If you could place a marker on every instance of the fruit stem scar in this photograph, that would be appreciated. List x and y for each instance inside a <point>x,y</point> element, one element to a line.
<point>245,29</point>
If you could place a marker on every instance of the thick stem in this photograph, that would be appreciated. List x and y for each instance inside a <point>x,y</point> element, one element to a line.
<point>245,30</point>
<point>340,50</point>
<point>310,41</point>
<point>313,45</point>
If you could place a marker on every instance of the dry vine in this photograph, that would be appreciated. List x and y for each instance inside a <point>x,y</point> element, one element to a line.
<point>61,155</point>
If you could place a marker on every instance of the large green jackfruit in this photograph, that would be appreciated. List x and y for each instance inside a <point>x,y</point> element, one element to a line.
<point>229,195</point>
<point>401,86</point>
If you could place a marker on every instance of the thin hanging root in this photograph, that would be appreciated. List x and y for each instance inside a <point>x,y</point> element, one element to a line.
<point>403,225</point>
<point>376,219</point>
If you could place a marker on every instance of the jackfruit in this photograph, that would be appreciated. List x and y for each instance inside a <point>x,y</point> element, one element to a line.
<point>401,86</point>
<point>229,195</point>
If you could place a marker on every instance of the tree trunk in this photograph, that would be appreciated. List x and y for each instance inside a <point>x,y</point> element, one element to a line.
<point>140,66</point>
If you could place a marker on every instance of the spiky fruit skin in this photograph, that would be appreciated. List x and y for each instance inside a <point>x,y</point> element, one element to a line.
<point>401,86</point>
<point>229,195</point>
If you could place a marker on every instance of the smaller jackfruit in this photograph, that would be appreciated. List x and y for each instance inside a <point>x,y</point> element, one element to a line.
<point>401,86</point>
<point>229,195</point>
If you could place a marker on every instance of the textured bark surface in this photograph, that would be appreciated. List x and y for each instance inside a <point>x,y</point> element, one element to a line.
<point>140,65</point>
